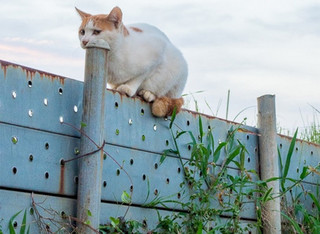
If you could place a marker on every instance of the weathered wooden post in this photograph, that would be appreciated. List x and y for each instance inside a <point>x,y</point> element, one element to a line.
<point>269,162</point>
<point>90,167</point>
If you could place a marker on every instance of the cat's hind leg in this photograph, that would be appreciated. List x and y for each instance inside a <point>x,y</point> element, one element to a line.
<point>147,95</point>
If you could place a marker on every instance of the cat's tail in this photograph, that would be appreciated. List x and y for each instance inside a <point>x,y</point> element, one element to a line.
<point>164,106</point>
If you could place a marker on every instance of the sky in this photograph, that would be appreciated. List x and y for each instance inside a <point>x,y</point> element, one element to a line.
<point>249,47</point>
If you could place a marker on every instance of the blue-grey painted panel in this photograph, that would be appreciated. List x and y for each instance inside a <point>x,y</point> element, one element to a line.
<point>48,99</point>
<point>129,123</point>
<point>304,154</point>
<point>31,160</point>
<point>38,100</point>
<point>33,163</point>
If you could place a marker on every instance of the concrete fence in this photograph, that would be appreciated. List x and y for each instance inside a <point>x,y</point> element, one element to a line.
<point>40,118</point>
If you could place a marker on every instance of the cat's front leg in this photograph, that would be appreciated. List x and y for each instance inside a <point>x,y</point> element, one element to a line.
<point>126,89</point>
<point>130,88</point>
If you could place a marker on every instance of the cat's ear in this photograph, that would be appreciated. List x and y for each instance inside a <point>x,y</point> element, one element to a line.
<point>115,16</point>
<point>82,14</point>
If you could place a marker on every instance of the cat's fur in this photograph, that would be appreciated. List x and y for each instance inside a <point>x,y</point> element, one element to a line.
<point>141,60</point>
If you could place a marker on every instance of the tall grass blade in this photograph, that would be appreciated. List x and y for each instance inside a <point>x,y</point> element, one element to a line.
<point>234,119</point>
<point>194,142</point>
<point>180,133</point>
<point>165,154</point>
<point>11,227</point>
<point>293,223</point>
<point>217,152</point>
<point>228,102</point>
<point>315,200</point>
<point>173,117</point>
<point>280,160</point>
<point>288,159</point>
<point>200,128</point>
<point>148,192</point>
<point>199,231</point>
<point>304,173</point>
<point>315,109</point>
<point>207,104</point>
<point>211,143</point>
<point>266,196</point>
<point>232,155</point>
<point>24,223</point>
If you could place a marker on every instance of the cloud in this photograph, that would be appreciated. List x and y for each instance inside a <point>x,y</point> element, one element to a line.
<point>252,47</point>
<point>29,41</point>
<point>43,60</point>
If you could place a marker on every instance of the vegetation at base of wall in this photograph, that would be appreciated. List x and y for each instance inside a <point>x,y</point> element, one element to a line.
<point>1,232</point>
<point>296,217</point>
<point>208,189</point>
<point>207,182</point>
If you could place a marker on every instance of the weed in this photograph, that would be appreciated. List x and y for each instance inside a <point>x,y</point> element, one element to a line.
<point>13,224</point>
<point>296,217</point>
<point>212,191</point>
<point>1,232</point>
<point>119,225</point>
<point>312,132</point>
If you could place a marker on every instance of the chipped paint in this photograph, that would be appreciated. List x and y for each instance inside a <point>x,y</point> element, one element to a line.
<point>30,72</point>
<point>289,138</point>
<point>247,131</point>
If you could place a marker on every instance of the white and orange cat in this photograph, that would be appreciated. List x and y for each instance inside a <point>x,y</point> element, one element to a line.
<point>141,61</point>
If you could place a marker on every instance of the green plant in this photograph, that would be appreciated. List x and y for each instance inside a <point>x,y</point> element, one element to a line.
<point>296,217</point>
<point>12,224</point>
<point>119,225</point>
<point>312,132</point>
<point>1,232</point>
<point>232,192</point>
<point>211,189</point>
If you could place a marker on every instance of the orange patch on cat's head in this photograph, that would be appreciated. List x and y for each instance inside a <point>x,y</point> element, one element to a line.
<point>102,22</point>
<point>108,22</point>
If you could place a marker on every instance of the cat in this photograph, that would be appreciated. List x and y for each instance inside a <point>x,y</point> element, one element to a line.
<point>141,60</point>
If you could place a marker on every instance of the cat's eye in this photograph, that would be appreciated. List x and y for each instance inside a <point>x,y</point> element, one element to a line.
<point>82,32</point>
<point>96,32</point>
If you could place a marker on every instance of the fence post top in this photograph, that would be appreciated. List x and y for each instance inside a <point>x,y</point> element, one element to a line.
<point>270,96</point>
<point>100,43</point>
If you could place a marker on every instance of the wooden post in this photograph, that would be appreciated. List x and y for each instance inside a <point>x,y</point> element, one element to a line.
<point>90,167</point>
<point>269,161</point>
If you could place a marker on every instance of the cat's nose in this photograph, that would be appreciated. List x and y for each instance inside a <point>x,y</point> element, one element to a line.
<point>85,43</point>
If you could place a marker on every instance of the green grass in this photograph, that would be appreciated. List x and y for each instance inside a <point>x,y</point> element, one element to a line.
<point>310,132</point>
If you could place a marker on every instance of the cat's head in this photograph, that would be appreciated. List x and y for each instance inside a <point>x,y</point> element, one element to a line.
<point>104,26</point>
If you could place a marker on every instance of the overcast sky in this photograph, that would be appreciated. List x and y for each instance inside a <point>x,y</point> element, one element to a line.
<point>249,47</point>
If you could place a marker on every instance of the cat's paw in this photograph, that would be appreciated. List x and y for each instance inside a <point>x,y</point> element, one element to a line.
<point>147,95</point>
<point>126,89</point>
